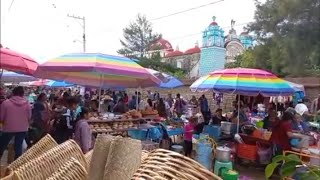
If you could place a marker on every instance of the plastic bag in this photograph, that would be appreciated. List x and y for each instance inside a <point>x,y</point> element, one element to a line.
<point>265,154</point>
<point>24,146</point>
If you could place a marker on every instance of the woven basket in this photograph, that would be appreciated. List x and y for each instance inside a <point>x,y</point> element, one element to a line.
<point>88,157</point>
<point>43,166</point>
<point>71,170</point>
<point>11,176</point>
<point>163,164</point>
<point>144,155</point>
<point>35,151</point>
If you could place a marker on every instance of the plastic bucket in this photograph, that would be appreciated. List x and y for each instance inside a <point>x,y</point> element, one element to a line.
<point>204,155</point>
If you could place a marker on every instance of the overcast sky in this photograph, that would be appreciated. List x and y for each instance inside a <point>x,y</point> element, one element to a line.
<point>41,28</point>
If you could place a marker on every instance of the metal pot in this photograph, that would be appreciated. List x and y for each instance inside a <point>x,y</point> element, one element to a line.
<point>223,154</point>
<point>226,127</point>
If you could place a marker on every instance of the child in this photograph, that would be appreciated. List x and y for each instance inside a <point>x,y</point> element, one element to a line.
<point>83,132</point>
<point>188,131</point>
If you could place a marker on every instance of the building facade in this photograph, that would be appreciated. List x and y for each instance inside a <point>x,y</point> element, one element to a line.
<point>215,51</point>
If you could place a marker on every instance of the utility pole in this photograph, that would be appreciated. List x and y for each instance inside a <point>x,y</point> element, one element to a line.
<point>83,29</point>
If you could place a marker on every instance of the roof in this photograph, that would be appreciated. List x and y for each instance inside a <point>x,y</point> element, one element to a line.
<point>214,23</point>
<point>162,44</point>
<point>193,50</point>
<point>175,53</point>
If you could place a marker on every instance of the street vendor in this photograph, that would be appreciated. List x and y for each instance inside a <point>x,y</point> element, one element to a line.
<point>282,133</point>
<point>270,119</point>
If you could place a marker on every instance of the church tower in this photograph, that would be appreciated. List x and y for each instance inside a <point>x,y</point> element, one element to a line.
<point>212,51</point>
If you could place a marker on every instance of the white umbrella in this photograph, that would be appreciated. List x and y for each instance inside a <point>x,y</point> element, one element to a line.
<point>13,77</point>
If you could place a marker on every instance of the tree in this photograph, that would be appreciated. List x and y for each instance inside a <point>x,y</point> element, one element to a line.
<point>288,35</point>
<point>154,62</point>
<point>138,37</point>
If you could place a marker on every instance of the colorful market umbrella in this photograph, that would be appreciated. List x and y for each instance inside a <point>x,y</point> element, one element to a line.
<point>97,70</point>
<point>17,62</point>
<point>13,77</point>
<point>58,84</point>
<point>243,81</point>
<point>167,81</point>
<point>41,82</point>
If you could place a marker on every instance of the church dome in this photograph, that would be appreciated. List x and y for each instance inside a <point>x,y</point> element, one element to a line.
<point>162,44</point>
<point>193,50</point>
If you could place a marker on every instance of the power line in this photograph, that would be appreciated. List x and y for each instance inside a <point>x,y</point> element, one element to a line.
<point>10,5</point>
<point>190,9</point>
<point>193,34</point>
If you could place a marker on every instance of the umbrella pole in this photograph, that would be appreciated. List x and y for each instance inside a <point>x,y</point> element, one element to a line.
<point>137,98</point>
<point>99,108</point>
<point>238,121</point>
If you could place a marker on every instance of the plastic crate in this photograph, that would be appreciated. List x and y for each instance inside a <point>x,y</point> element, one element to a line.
<point>138,134</point>
<point>246,151</point>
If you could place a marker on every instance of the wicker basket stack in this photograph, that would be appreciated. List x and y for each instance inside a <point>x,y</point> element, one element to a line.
<point>88,157</point>
<point>163,164</point>
<point>71,170</point>
<point>46,164</point>
<point>47,160</point>
<point>45,144</point>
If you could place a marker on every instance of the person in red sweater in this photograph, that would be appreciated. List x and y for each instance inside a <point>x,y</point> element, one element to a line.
<point>282,133</point>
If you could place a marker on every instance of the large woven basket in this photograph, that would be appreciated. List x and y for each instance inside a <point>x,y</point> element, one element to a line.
<point>88,157</point>
<point>162,164</point>
<point>35,151</point>
<point>71,170</point>
<point>11,176</point>
<point>144,155</point>
<point>43,166</point>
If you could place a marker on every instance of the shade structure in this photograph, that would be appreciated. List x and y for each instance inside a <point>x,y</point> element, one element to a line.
<point>97,70</point>
<point>41,82</point>
<point>167,81</point>
<point>53,83</point>
<point>12,77</point>
<point>296,87</point>
<point>17,62</point>
<point>243,81</point>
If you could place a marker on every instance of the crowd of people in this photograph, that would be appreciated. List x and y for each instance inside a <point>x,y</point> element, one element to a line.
<point>29,114</point>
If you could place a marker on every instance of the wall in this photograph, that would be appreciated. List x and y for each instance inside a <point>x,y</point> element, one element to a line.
<point>211,59</point>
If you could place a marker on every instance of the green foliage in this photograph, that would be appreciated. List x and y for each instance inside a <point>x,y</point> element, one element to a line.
<point>155,63</point>
<point>138,37</point>
<point>288,36</point>
<point>289,166</point>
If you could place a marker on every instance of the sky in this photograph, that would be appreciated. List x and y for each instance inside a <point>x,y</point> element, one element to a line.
<point>42,29</point>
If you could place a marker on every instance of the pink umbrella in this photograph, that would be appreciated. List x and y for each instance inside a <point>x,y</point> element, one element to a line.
<point>16,62</point>
<point>41,82</point>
